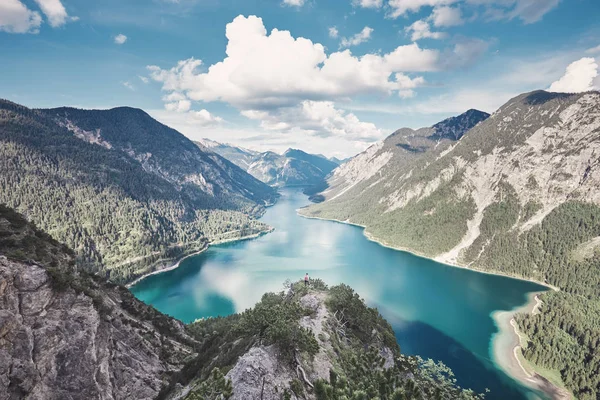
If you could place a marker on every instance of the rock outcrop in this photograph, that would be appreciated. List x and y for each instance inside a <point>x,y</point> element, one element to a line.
<point>68,335</point>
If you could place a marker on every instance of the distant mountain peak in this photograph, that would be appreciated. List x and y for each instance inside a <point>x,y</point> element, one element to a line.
<point>208,143</point>
<point>454,128</point>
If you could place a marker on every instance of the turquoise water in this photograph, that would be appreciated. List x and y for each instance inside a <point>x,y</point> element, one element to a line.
<point>437,311</point>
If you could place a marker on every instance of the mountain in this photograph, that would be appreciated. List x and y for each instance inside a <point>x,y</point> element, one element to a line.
<point>395,154</point>
<point>65,333</point>
<point>517,194</point>
<point>338,161</point>
<point>241,157</point>
<point>127,193</point>
<point>294,167</point>
<point>454,128</point>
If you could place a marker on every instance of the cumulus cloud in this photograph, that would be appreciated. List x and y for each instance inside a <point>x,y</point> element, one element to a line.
<point>290,84</point>
<point>368,3</point>
<point>294,3</point>
<point>580,76</point>
<point>333,32</point>
<point>143,79</point>
<point>320,118</point>
<point>120,38</point>
<point>420,30</point>
<point>358,38</point>
<point>272,70</point>
<point>15,17</point>
<point>128,85</point>
<point>446,16</point>
<point>205,118</point>
<point>54,11</point>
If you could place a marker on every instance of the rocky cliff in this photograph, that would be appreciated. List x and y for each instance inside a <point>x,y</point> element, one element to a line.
<point>69,335</point>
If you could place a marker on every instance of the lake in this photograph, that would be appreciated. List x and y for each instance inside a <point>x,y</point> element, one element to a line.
<point>437,311</point>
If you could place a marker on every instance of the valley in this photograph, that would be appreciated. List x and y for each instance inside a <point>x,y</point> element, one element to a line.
<point>436,311</point>
<point>300,200</point>
<point>197,236</point>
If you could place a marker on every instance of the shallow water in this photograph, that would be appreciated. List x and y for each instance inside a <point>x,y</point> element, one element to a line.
<point>437,311</point>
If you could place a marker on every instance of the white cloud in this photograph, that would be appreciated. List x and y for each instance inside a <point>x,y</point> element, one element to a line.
<point>368,3</point>
<point>179,106</point>
<point>358,38</point>
<point>205,118</point>
<point>319,118</point>
<point>333,32</point>
<point>257,138</point>
<point>294,3</point>
<point>276,70</point>
<point>54,11</point>
<point>446,16</point>
<point>420,30</point>
<point>120,38</point>
<point>15,17</point>
<point>290,85</point>
<point>531,11</point>
<point>579,77</point>
<point>593,50</point>
<point>144,79</point>
<point>401,7</point>
<point>128,85</point>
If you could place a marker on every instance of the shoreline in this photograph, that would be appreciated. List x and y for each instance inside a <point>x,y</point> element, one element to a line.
<point>372,238</point>
<point>178,261</point>
<point>507,350</point>
<point>506,343</point>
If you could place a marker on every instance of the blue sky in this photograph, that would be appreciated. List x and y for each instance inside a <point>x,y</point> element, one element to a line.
<point>334,77</point>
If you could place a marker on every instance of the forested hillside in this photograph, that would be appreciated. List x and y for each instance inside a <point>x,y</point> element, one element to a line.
<point>127,193</point>
<point>518,194</point>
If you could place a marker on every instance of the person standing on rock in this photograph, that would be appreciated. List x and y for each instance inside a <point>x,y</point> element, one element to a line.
<point>306,279</point>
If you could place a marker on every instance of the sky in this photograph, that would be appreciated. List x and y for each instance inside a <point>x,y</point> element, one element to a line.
<point>325,76</point>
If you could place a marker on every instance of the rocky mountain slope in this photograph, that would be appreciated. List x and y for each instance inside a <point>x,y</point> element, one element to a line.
<point>127,193</point>
<point>293,167</point>
<point>517,194</point>
<point>67,334</point>
<point>395,155</point>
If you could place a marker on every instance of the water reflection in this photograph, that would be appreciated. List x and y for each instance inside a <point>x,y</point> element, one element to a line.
<point>437,311</point>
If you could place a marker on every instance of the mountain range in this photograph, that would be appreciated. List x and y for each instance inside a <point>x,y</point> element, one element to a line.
<point>292,168</point>
<point>126,192</point>
<point>516,194</point>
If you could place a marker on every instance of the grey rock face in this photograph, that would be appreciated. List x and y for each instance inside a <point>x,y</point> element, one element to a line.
<point>542,146</point>
<point>260,374</point>
<point>57,345</point>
